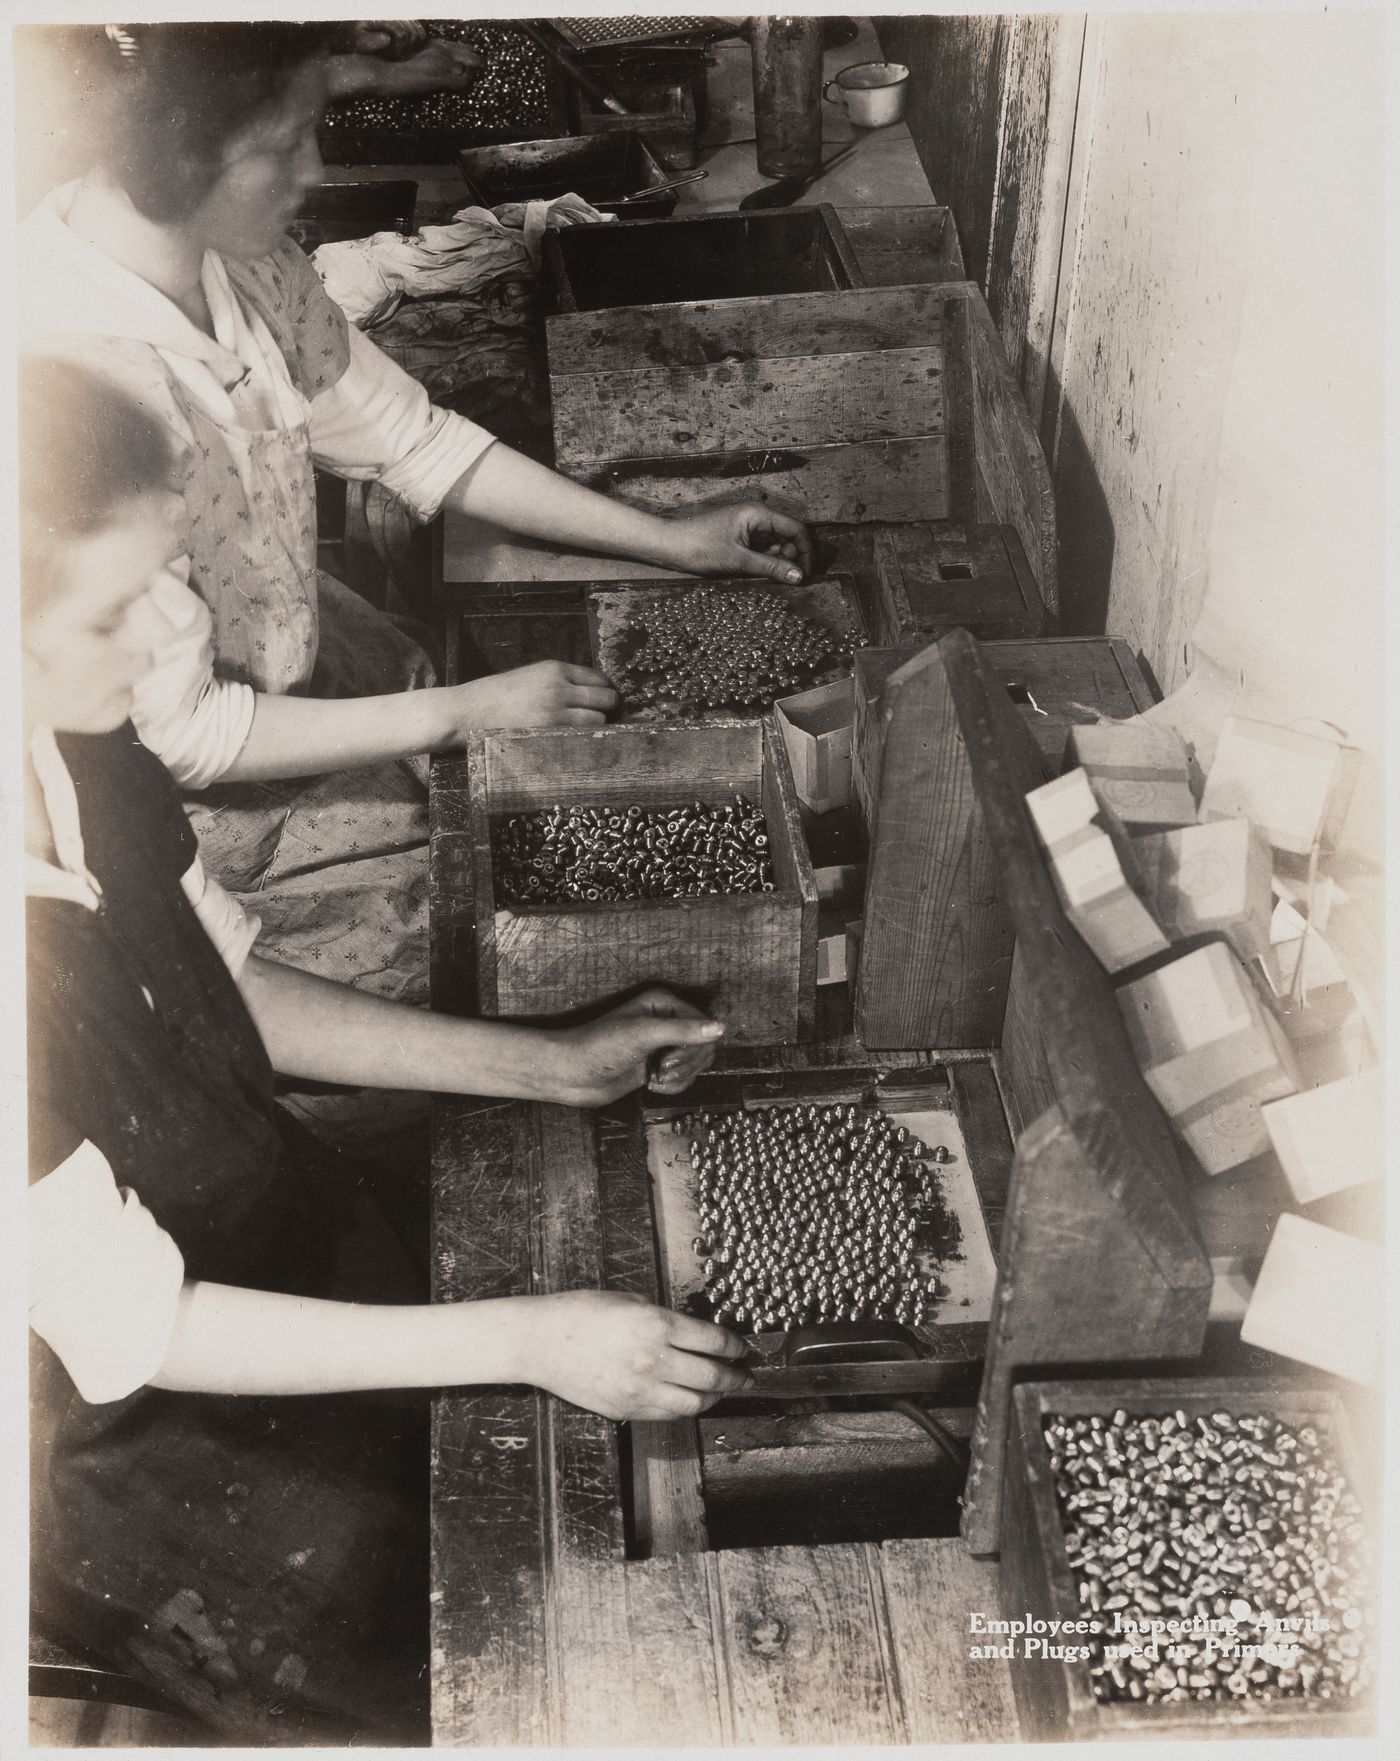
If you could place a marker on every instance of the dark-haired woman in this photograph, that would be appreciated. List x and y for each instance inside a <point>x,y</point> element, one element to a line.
<point>226,1500</point>
<point>167,270</point>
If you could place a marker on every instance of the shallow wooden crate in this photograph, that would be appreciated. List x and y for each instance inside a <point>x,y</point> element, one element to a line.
<point>615,607</point>
<point>974,577</point>
<point>1055,1699</point>
<point>955,1107</point>
<point>935,963</point>
<point>722,256</point>
<point>749,959</point>
<point>853,409</point>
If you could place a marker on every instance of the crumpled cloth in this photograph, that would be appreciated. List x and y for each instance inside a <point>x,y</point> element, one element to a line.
<point>369,278</point>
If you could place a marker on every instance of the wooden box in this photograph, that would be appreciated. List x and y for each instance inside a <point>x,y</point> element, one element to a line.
<point>332,212</point>
<point>938,578</point>
<point>663,111</point>
<point>616,608</point>
<point>1055,1699</point>
<point>954,1107</point>
<point>726,256</point>
<point>897,247</point>
<point>600,168</point>
<point>850,407</point>
<point>936,950</point>
<point>749,959</point>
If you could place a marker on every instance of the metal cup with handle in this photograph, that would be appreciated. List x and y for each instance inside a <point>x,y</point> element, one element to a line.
<point>871,93</point>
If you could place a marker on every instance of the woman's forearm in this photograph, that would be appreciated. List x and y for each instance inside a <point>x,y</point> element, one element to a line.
<point>328,1032</point>
<point>307,736</point>
<point>234,1341</point>
<point>510,490</point>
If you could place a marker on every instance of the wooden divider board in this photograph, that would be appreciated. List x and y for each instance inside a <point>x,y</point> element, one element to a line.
<point>1101,1254</point>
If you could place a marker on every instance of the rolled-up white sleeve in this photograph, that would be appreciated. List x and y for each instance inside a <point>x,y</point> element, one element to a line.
<point>231,929</point>
<point>377,422</point>
<point>195,723</point>
<point>104,1277</point>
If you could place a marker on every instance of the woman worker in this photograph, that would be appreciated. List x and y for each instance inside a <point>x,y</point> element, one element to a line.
<point>166,269</point>
<point>226,1501</point>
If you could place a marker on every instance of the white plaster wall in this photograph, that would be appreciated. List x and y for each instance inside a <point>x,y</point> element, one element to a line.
<point>1220,359</point>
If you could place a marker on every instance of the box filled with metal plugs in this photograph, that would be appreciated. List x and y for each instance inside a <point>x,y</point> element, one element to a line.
<point>605,860</point>
<point>1232,1507</point>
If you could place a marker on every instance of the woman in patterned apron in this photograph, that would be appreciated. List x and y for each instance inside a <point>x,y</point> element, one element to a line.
<point>297,714</point>
<point>229,1471</point>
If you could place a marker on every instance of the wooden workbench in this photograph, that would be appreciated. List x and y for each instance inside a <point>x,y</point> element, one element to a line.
<point>545,1631</point>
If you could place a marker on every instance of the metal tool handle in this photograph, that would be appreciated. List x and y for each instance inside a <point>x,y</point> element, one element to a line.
<point>656,189</point>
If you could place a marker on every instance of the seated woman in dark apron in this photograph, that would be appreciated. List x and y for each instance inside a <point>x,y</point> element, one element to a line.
<point>167,270</point>
<point>229,1458</point>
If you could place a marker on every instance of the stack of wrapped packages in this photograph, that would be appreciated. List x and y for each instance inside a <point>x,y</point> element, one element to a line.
<point>1209,908</point>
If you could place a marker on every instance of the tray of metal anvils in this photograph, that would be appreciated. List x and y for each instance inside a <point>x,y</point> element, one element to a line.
<point>843,1240</point>
<point>697,650</point>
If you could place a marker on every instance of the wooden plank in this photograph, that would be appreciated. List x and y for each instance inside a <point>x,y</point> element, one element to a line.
<point>897,247</point>
<point>585,1493</point>
<point>935,951</point>
<point>668,1509</point>
<point>487,1458</point>
<point>1014,486</point>
<point>634,1658</point>
<point>798,401</point>
<point>989,1148</point>
<point>1025,1075</point>
<point>806,1646</point>
<point>779,327</point>
<point>872,480</point>
<point>516,770</point>
<point>931,1588</point>
<point>956,77</point>
<point>1036,134</point>
<point>962,413</point>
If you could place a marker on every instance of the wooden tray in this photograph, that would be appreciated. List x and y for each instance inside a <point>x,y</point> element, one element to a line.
<point>749,959</point>
<point>955,1107</point>
<point>599,167</point>
<point>332,212</point>
<point>1056,1699</point>
<point>614,607</point>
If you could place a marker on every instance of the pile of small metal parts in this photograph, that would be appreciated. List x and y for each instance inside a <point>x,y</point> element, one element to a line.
<point>1226,1521</point>
<point>615,853</point>
<point>723,647</point>
<point>808,1216</point>
<point>510,92</point>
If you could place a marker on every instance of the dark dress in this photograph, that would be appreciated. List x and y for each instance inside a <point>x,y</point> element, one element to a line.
<point>262,1562</point>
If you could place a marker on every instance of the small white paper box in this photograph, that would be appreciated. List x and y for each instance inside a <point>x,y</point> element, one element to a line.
<point>1318,1298</point>
<point>1331,1137</point>
<point>1139,772</point>
<point>816,729</point>
<point>1296,787</point>
<point>1209,877</point>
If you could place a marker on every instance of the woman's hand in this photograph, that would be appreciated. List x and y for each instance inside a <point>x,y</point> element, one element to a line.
<point>744,539</point>
<point>548,694</point>
<point>611,1056</point>
<point>623,1357</point>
